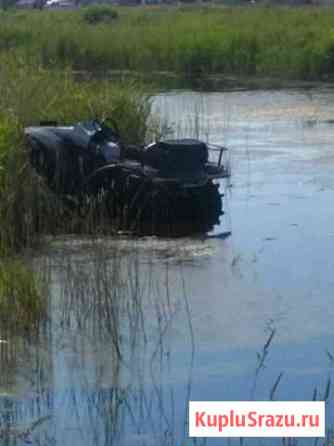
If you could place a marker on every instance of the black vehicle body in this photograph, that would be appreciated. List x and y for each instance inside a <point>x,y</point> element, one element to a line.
<point>164,181</point>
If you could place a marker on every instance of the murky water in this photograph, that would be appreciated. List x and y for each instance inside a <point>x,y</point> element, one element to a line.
<point>139,327</point>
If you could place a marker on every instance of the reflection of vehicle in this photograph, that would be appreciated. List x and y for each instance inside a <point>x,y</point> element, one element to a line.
<point>164,183</point>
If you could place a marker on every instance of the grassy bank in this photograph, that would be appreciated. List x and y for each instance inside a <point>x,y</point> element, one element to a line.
<point>279,42</point>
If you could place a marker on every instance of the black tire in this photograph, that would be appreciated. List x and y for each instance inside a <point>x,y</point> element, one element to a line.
<point>41,161</point>
<point>171,211</point>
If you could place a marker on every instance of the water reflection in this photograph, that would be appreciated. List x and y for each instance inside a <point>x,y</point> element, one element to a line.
<point>102,372</point>
<point>118,359</point>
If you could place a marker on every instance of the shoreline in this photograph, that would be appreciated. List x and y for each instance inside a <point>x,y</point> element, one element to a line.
<point>168,80</point>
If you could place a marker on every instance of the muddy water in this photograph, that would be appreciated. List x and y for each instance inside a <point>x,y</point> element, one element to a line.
<point>139,327</point>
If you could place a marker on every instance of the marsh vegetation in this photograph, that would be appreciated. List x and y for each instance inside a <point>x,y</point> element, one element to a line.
<point>189,40</point>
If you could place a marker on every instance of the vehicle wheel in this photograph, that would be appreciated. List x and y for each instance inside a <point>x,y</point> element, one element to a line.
<point>102,194</point>
<point>149,208</point>
<point>39,160</point>
<point>42,162</point>
<point>208,206</point>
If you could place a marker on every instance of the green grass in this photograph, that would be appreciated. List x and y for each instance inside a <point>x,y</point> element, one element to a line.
<point>22,304</point>
<point>258,41</point>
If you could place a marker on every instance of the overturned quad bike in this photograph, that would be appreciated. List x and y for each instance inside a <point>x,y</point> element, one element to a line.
<point>166,187</point>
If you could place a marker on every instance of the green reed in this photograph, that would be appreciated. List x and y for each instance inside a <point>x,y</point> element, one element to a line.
<point>190,40</point>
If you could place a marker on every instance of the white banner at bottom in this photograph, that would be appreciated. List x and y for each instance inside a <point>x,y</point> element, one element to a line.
<point>256,419</point>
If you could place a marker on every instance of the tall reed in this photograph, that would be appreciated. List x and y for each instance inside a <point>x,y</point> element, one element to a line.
<point>191,40</point>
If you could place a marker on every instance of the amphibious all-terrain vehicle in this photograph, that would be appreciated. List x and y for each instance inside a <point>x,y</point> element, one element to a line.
<point>154,188</point>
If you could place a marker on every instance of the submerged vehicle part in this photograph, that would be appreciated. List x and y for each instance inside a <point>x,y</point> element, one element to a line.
<point>158,188</point>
